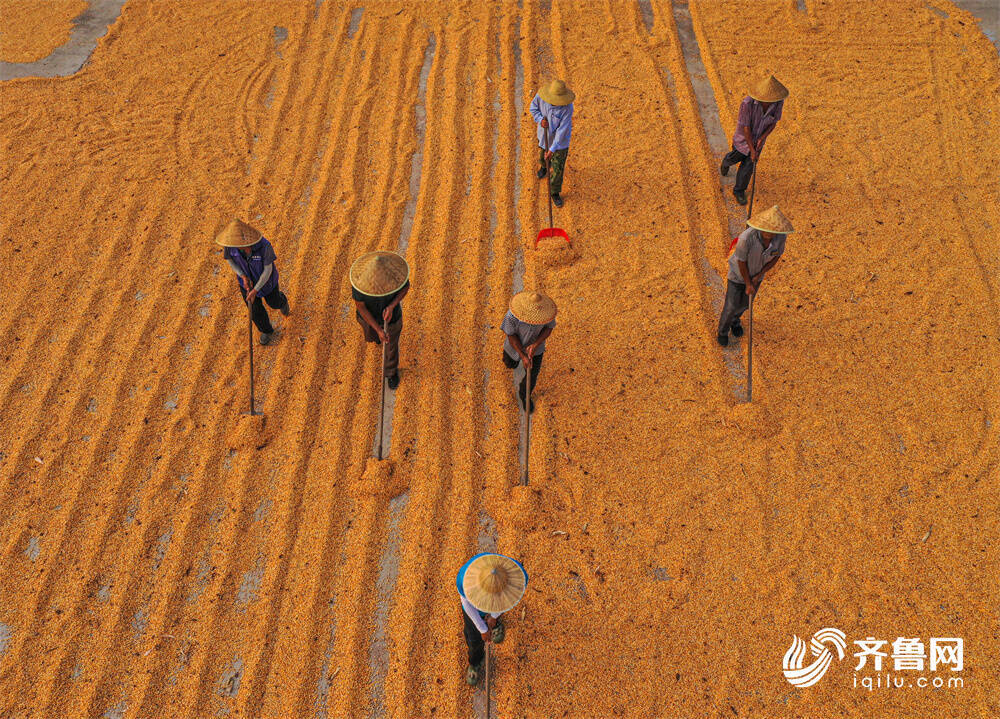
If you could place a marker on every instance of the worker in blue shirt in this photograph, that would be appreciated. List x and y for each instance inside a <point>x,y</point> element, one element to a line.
<point>552,109</point>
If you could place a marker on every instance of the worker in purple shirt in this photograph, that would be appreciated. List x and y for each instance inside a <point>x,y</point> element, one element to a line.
<point>488,585</point>
<point>252,258</point>
<point>759,113</point>
<point>552,109</point>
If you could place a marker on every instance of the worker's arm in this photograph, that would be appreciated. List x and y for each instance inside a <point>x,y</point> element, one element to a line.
<point>745,274</point>
<point>760,275</point>
<point>530,349</point>
<point>751,143</point>
<point>472,613</point>
<point>536,111</point>
<point>515,342</point>
<point>264,277</point>
<point>387,312</point>
<point>367,317</point>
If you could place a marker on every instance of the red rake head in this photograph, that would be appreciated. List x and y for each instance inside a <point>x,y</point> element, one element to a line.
<point>552,232</point>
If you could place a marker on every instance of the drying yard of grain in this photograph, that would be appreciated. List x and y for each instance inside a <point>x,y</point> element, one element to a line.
<point>165,556</point>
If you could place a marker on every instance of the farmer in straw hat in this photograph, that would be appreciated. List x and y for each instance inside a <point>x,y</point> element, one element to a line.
<point>379,282</point>
<point>758,116</point>
<point>252,258</point>
<point>757,250</point>
<point>527,324</point>
<point>489,585</point>
<point>552,108</point>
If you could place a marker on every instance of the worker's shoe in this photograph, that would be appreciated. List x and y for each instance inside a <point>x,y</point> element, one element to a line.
<point>473,674</point>
<point>737,329</point>
<point>724,169</point>
<point>722,340</point>
<point>531,404</point>
<point>556,200</point>
<point>741,197</point>
<point>542,172</point>
<point>286,310</point>
<point>265,337</point>
<point>394,380</point>
<point>499,632</point>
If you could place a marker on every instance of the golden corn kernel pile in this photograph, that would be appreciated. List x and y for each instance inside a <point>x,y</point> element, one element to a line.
<point>165,556</point>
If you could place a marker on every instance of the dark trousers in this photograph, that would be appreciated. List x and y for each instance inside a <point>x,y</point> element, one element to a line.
<point>391,349</point>
<point>536,367</point>
<point>474,641</point>
<point>558,168</point>
<point>745,171</point>
<point>276,299</point>
<point>735,305</point>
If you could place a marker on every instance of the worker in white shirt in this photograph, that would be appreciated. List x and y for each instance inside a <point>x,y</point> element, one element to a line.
<point>489,585</point>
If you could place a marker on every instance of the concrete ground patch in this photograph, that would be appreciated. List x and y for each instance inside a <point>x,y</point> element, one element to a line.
<point>88,28</point>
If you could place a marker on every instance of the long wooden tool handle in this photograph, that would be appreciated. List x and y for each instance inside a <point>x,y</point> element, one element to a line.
<point>753,187</point>
<point>527,423</point>
<point>750,353</point>
<point>548,175</point>
<point>250,337</point>
<point>488,680</point>
<point>381,406</point>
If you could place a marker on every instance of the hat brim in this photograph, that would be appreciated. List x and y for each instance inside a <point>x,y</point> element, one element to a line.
<point>243,230</point>
<point>557,100</point>
<point>498,603</point>
<point>522,315</point>
<point>768,229</point>
<point>368,293</point>
<point>769,98</point>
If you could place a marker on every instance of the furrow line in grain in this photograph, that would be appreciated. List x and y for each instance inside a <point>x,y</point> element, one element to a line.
<point>466,407</point>
<point>38,262</point>
<point>97,312</point>
<point>309,139</point>
<point>439,273</point>
<point>159,615</point>
<point>499,445</point>
<point>702,200</point>
<point>355,608</point>
<point>294,504</point>
<point>305,563</point>
<point>486,539</point>
<point>137,445</point>
<point>113,385</point>
<point>105,343</point>
<point>361,540</point>
<point>383,225</point>
<point>19,453</point>
<point>221,330</point>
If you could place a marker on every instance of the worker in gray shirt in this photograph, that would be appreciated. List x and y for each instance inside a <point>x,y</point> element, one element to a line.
<point>757,250</point>
<point>527,324</point>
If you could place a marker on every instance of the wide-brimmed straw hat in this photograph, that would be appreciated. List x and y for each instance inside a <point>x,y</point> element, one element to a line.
<point>556,93</point>
<point>769,90</point>
<point>533,307</point>
<point>379,273</point>
<point>494,583</point>
<point>771,220</point>
<point>238,234</point>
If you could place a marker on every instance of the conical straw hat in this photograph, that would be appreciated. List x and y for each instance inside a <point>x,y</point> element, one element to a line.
<point>379,273</point>
<point>533,307</point>
<point>771,220</point>
<point>769,90</point>
<point>238,234</point>
<point>494,583</point>
<point>556,93</point>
